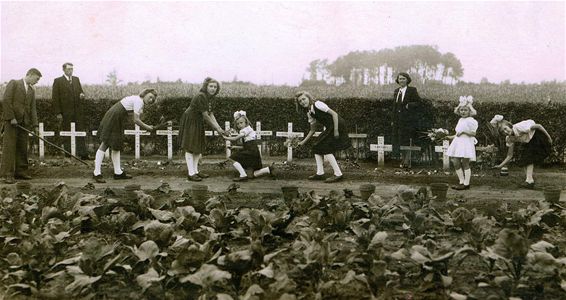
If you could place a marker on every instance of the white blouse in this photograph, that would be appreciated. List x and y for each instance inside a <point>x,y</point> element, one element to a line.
<point>249,134</point>
<point>522,133</point>
<point>133,103</point>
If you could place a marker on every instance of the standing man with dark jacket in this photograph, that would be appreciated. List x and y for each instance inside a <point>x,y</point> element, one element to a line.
<point>406,105</point>
<point>68,100</point>
<point>19,108</point>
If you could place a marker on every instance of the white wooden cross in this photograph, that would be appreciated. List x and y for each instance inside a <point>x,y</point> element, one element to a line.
<point>211,133</point>
<point>261,133</point>
<point>43,134</point>
<point>289,134</point>
<point>228,143</point>
<point>73,134</point>
<point>357,137</point>
<point>169,133</point>
<point>107,153</point>
<point>444,150</point>
<point>410,148</point>
<point>137,133</point>
<point>381,148</point>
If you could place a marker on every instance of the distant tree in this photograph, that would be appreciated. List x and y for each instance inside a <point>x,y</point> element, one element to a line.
<point>313,83</point>
<point>112,78</point>
<point>484,80</point>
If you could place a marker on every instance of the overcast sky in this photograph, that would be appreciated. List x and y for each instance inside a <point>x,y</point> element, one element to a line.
<point>273,42</point>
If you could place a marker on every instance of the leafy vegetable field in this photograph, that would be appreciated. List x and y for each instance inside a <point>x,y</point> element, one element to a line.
<point>65,243</point>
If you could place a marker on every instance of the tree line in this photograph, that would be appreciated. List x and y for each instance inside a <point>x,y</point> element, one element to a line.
<point>357,68</point>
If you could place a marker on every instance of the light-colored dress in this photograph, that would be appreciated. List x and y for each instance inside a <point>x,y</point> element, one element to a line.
<point>464,146</point>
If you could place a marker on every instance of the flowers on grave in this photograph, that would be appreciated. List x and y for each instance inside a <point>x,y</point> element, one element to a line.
<point>437,134</point>
<point>292,142</point>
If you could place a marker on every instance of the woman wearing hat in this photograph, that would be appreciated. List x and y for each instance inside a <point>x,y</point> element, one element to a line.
<point>406,99</point>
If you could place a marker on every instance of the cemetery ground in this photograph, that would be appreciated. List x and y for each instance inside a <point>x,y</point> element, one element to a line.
<point>151,172</point>
<point>246,240</point>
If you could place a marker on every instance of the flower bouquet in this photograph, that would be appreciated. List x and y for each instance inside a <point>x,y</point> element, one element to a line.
<point>437,134</point>
<point>292,142</point>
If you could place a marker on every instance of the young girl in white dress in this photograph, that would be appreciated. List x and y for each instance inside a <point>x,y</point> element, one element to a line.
<point>462,149</point>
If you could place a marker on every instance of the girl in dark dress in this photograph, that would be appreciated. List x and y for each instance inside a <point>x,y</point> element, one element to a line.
<point>248,157</point>
<point>191,129</point>
<point>533,141</point>
<point>111,131</point>
<point>333,138</point>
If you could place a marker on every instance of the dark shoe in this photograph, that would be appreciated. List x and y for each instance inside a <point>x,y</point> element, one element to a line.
<point>98,178</point>
<point>458,186</point>
<point>9,180</point>
<point>526,185</point>
<point>194,178</point>
<point>22,176</point>
<point>202,175</point>
<point>240,179</point>
<point>316,177</point>
<point>334,179</point>
<point>461,187</point>
<point>124,175</point>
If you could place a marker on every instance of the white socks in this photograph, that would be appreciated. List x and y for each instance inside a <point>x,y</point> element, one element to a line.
<point>190,163</point>
<point>319,165</point>
<point>196,160</point>
<point>467,176</point>
<point>333,163</point>
<point>261,172</point>
<point>240,169</point>
<point>460,174</point>
<point>529,170</point>
<point>99,156</point>
<point>116,162</point>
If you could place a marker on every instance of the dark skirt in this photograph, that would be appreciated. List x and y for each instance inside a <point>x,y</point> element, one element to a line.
<point>402,134</point>
<point>191,132</point>
<point>535,151</point>
<point>326,143</point>
<point>249,156</point>
<point>111,128</point>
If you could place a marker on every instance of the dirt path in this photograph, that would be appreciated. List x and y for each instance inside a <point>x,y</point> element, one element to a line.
<point>152,173</point>
<point>261,185</point>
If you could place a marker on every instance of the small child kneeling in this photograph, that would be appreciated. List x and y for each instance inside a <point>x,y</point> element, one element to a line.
<point>248,156</point>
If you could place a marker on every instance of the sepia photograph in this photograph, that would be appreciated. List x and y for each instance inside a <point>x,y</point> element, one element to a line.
<point>283,150</point>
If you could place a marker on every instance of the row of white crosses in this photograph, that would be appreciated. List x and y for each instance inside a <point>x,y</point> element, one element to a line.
<point>380,147</point>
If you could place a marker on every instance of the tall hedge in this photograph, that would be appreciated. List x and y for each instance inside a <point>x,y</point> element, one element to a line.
<point>370,116</point>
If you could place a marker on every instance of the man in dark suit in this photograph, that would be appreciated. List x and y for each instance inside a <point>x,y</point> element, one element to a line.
<point>68,100</point>
<point>405,116</point>
<point>19,108</point>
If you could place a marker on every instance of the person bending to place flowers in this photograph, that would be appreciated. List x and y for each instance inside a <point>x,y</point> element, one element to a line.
<point>111,131</point>
<point>533,141</point>
<point>191,129</point>
<point>333,138</point>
